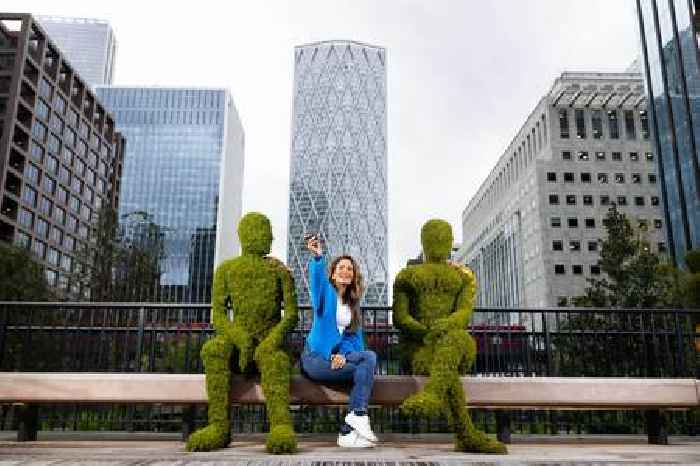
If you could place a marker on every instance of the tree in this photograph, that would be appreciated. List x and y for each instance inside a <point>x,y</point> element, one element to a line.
<point>21,277</point>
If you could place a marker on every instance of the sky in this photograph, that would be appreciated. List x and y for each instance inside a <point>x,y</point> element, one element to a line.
<point>462,76</point>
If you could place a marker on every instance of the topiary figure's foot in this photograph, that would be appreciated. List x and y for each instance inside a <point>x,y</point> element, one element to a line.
<point>281,440</point>
<point>211,437</point>
<point>476,441</point>
<point>423,403</point>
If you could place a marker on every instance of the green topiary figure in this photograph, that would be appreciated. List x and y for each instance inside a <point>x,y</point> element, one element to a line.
<point>255,286</point>
<point>433,303</point>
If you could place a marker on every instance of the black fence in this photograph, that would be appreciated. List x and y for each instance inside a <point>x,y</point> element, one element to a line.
<point>167,338</point>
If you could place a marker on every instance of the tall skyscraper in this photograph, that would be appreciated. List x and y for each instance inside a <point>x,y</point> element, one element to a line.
<point>669,41</point>
<point>184,170</point>
<point>338,179</point>
<point>60,155</point>
<point>531,231</point>
<point>89,44</point>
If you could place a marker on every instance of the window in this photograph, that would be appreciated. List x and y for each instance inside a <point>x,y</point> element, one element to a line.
<point>580,123</point>
<point>559,269</point>
<point>74,204</point>
<point>31,173</point>
<point>552,177</point>
<point>577,269</point>
<point>67,156</point>
<point>650,157</point>
<point>77,185</point>
<point>621,200</point>
<point>585,177</point>
<point>600,156</point>
<point>643,224</point>
<point>42,227</point>
<point>587,199</point>
<point>39,131</point>
<point>52,257</point>
<point>639,200</point>
<point>629,125</point>
<point>597,124</point>
<point>636,178</point>
<point>62,195</point>
<point>613,126</point>
<point>52,164</point>
<point>54,144</point>
<point>71,223</point>
<point>662,247</point>
<point>572,222</point>
<point>66,263</point>
<point>70,243</point>
<point>604,200</point>
<point>79,167</point>
<point>59,103</point>
<point>557,245</point>
<point>562,301</point>
<point>589,222</point>
<point>51,277</point>
<point>25,218</point>
<point>652,178</point>
<point>555,222</point>
<point>658,223</point>
<point>56,235</point>
<point>570,199</point>
<point>619,178</point>
<point>72,117</point>
<point>22,240</point>
<point>634,156</point>
<point>45,89</point>
<point>593,246</point>
<point>37,152</point>
<point>574,245</point>
<point>654,200</point>
<point>45,206</point>
<point>553,199</point>
<point>56,124</point>
<point>568,177</point>
<point>644,120</point>
<point>60,215</point>
<point>70,137</point>
<point>563,123</point>
<point>603,178</point>
<point>566,155</point>
<point>583,156</point>
<point>595,270</point>
<point>39,249</point>
<point>29,196</point>
<point>617,156</point>
<point>49,184</point>
<point>64,175</point>
<point>42,110</point>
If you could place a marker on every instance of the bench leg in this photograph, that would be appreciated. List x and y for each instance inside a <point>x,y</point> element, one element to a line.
<point>503,426</point>
<point>656,427</point>
<point>28,417</point>
<point>188,414</point>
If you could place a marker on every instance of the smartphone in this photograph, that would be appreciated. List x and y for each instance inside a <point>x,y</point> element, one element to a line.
<point>310,236</point>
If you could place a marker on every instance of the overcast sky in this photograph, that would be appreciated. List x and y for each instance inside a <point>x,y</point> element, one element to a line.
<point>462,77</point>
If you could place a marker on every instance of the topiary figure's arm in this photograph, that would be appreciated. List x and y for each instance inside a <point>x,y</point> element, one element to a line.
<point>464,306</point>
<point>403,320</point>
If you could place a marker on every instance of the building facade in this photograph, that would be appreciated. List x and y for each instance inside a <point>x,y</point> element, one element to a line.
<point>184,171</point>
<point>669,41</point>
<point>338,176</point>
<point>89,44</point>
<point>531,231</point>
<point>60,156</point>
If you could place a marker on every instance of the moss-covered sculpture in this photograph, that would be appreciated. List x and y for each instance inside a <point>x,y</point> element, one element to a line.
<point>433,303</point>
<point>255,286</point>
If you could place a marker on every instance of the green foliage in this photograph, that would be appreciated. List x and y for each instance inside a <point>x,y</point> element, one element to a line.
<point>256,288</point>
<point>433,304</point>
<point>21,277</point>
<point>692,260</point>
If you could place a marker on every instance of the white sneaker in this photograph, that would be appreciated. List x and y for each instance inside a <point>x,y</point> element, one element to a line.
<point>353,440</point>
<point>361,425</point>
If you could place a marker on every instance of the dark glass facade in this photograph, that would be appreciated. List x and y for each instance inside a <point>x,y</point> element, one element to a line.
<point>669,44</point>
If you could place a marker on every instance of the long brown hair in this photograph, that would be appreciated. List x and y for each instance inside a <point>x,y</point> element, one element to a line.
<point>353,292</point>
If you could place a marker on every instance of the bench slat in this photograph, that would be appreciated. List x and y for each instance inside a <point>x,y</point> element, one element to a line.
<point>494,392</point>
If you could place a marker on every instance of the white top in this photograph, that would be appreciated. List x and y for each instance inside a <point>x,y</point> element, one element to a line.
<point>343,316</point>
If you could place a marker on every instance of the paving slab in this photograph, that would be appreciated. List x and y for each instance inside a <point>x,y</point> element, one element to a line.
<point>395,450</point>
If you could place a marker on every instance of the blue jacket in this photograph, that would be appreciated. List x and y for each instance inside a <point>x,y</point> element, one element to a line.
<point>324,337</point>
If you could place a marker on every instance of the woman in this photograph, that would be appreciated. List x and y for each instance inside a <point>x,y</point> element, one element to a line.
<point>335,349</point>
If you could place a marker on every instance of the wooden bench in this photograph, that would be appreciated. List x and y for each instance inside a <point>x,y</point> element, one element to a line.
<point>502,393</point>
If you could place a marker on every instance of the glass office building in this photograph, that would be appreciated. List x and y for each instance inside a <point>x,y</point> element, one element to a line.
<point>89,44</point>
<point>183,171</point>
<point>338,176</point>
<point>669,44</point>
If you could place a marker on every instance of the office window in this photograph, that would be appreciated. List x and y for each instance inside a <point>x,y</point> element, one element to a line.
<point>577,269</point>
<point>60,215</point>
<point>25,218</point>
<point>595,270</point>
<point>56,235</point>
<point>22,240</point>
<point>613,125</point>
<point>566,155</point>
<point>62,195</point>
<point>658,223</point>
<point>572,222</point>
<point>37,152</point>
<point>552,177</point>
<point>589,222</point>
<point>583,156</point>
<point>604,200</point>
<point>654,200</point>
<point>580,123</point>
<point>619,178</point>
<point>574,246</point>
<point>29,195</point>
<point>570,199</point>
<point>568,177</point>
<point>636,178</point>
<point>649,157</point>
<point>45,206</point>
<point>52,256</point>
<point>621,200</point>
<point>557,245</point>
<point>553,199</point>
<point>49,184</point>
<point>42,110</point>
<point>563,123</point>
<point>597,124</point>
<point>662,247</point>
<point>587,199</point>
<point>42,227</point>
<point>643,224</point>
<point>559,269</point>
<point>639,200</point>
<point>644,120</point>
<point>31,172</point>
<point>69,243</point>
<point>562,301</point>
<point>39,249</point>
<point>616,156</point>
<point>652,178</point>
<point>52,164</point>
<point>630,130</point>
<point>555,222</point>
<point>593,246</point>
<point>634,156</point>
<point>585,177</point>
<point>600,156</point>
<point>603,178</point>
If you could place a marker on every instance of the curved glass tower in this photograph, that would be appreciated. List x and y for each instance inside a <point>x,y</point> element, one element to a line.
<point>338,179</point>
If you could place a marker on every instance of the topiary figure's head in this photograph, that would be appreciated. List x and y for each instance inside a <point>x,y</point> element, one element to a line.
<point>436,239</point>
<point>255,233</point>
<point>692,260</point>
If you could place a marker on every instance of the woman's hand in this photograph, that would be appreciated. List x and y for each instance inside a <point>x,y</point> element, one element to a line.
<point>337,361</point>
<point>313,244</point>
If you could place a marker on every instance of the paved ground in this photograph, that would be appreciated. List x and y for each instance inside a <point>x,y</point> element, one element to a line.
<point>146,449</point>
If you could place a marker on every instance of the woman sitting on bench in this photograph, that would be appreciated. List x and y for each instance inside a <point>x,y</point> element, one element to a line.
<point>335,349</point>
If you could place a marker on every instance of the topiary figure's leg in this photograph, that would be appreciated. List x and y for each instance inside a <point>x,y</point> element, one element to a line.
<point>275,378</point>
<point>216,355</point>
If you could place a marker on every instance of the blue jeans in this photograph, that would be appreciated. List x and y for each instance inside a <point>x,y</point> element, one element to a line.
<point>359,367</point>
